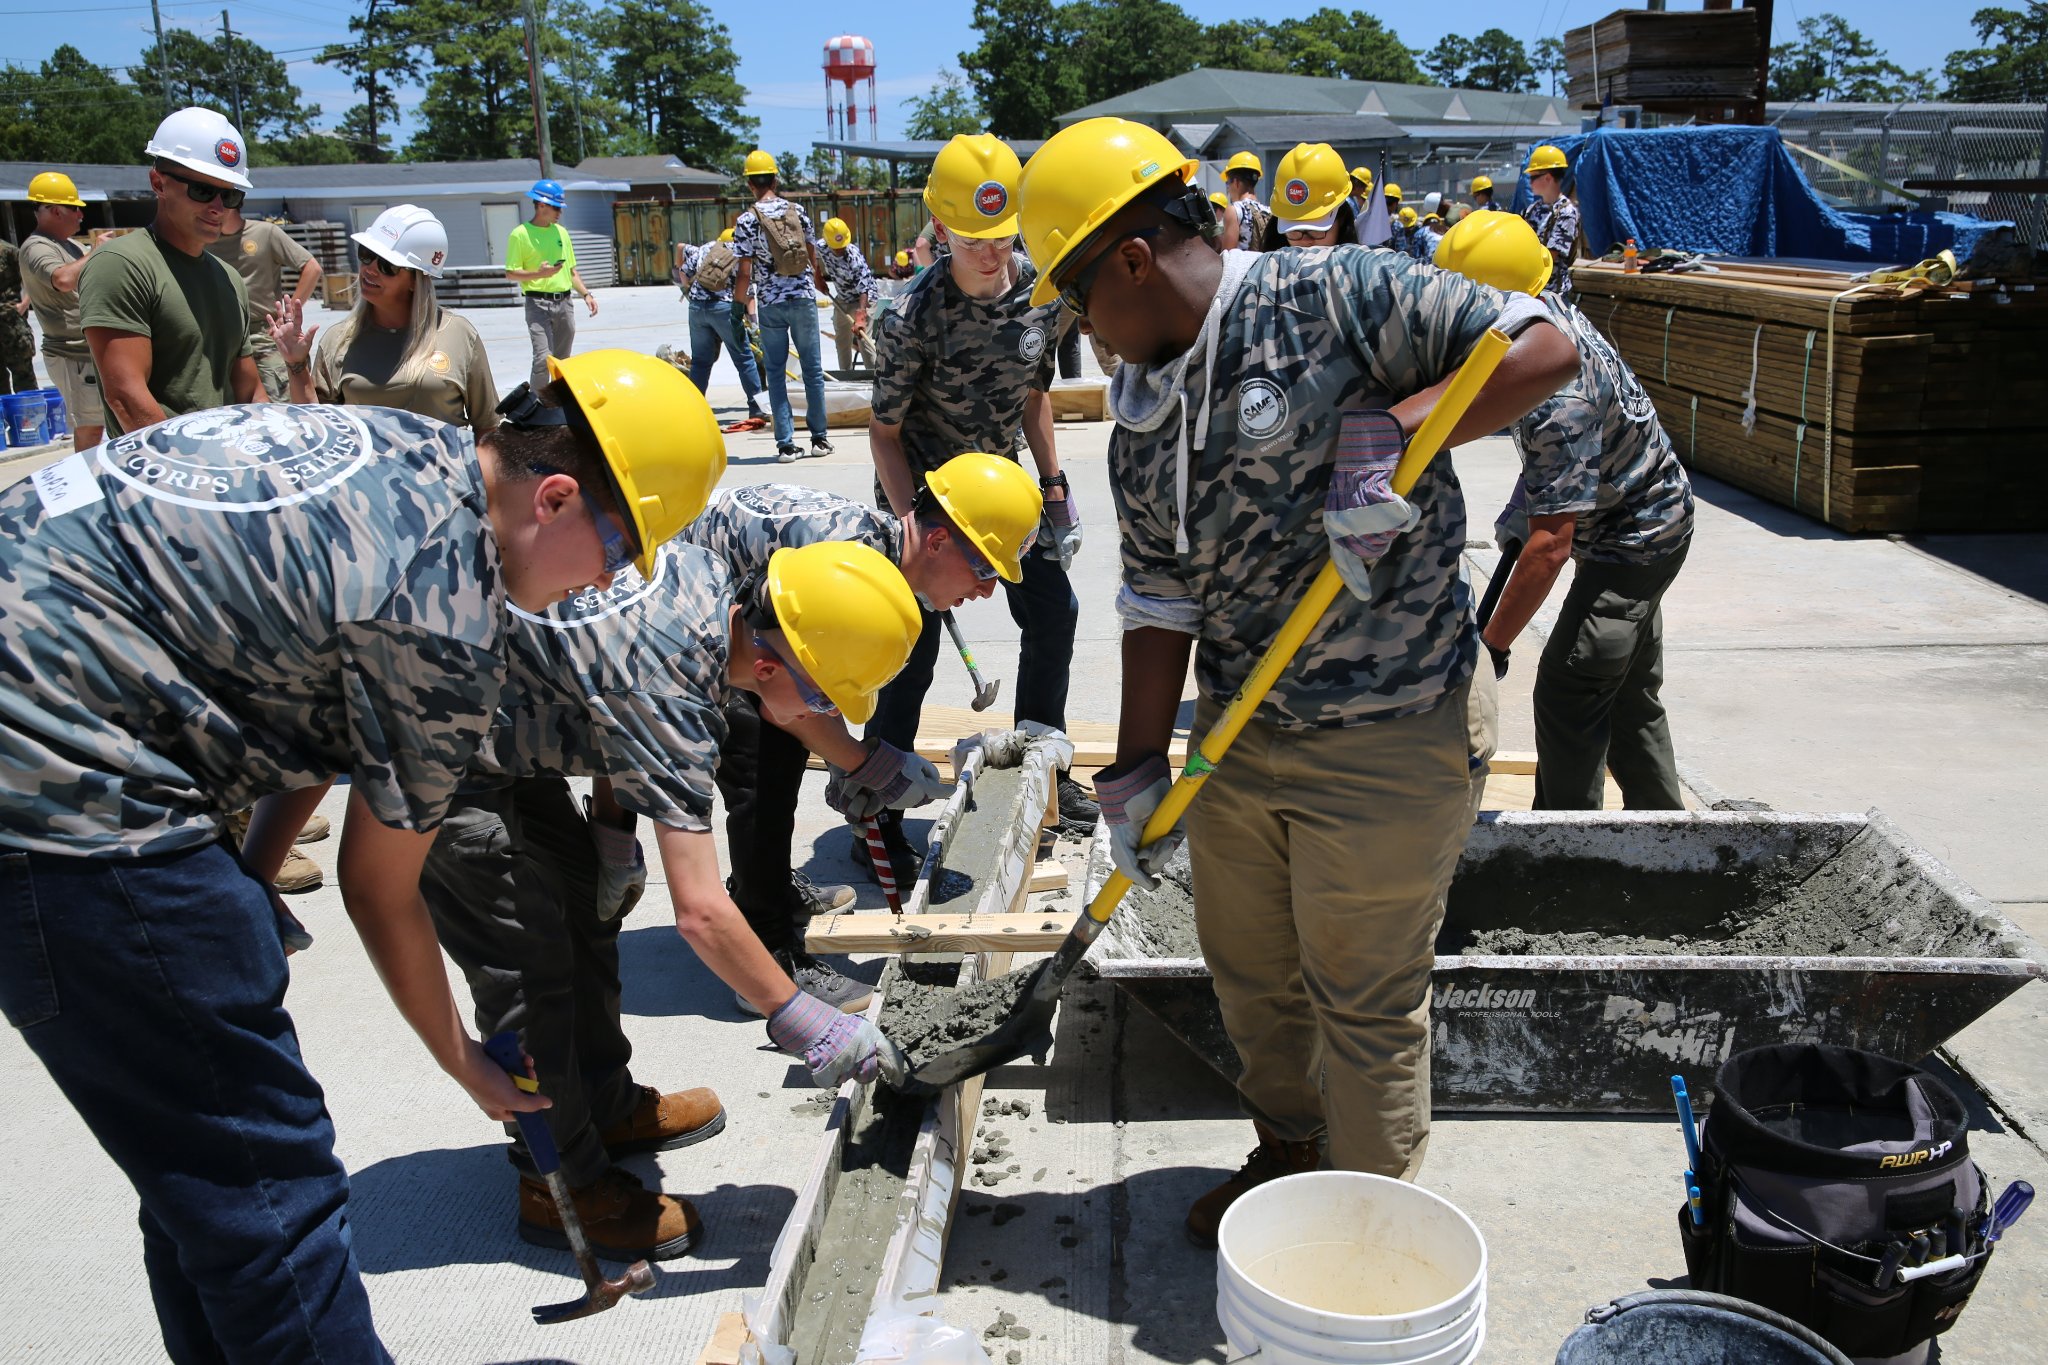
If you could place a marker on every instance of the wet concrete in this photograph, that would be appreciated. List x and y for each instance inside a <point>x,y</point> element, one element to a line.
<point>1161,923</point>
<point>927,1020</point>
<point>970,855</point>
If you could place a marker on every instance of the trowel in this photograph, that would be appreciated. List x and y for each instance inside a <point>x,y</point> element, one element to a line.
<point>1027,1031</point>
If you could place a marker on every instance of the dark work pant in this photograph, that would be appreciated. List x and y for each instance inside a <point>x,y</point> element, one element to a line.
<point>760,775</point>
<point>152,990</point>
<point>1597,704</point>
<point>1045,610</point>
<point>512,885</point>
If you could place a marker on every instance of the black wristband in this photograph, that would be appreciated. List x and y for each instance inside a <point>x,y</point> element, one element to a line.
<point>1058,480</point>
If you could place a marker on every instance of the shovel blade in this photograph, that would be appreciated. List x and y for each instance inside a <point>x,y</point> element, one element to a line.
<point>1027,1031</point>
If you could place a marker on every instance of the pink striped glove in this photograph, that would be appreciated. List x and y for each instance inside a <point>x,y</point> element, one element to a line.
<point>834,1045</point>
<point>1362,513</point>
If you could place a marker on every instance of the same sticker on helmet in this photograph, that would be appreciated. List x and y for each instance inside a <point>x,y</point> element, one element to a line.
<point>991,199</point>
<point>227,153</point>
<point>1297,192</point>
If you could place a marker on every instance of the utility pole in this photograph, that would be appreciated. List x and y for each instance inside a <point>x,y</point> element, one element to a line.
<point>163,58</point>
<point>576,99</point>
<point>533,85</point>
<point>227,43</point>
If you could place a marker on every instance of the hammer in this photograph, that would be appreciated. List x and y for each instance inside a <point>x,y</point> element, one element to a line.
<point>600,1293</point>
<point>984,691</point>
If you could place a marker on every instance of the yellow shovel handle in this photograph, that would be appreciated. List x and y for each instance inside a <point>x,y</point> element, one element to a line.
<point>1422,448</point>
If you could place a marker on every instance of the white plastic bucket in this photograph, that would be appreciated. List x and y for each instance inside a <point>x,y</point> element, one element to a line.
<point>1341,1268</point>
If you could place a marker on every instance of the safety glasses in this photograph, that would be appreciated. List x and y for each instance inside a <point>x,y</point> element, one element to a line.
<point>984,571</point>
<point>618,546</point>
<point>1074,293</point>
<point>202,192</point>
<point>817,702</point>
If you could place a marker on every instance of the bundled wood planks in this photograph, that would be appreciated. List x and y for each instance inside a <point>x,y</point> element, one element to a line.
<point>1920,422</point>
<point>1646,56</point>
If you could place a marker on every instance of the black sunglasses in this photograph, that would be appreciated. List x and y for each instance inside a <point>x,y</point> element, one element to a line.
<point>1074,293</point>
<point>202,192</point>
<point>384,267</point>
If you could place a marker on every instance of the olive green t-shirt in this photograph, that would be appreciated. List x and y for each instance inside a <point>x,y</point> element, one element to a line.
<point>42,256</point>
<point>261,252</point>
<point>455,386</point>
<point>193,309</point>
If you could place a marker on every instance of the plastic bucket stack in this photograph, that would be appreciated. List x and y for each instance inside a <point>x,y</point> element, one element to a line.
<point>1340,1268</point>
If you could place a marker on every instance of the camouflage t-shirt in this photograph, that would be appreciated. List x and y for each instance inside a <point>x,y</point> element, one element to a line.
<point>624,684</point>
<point>749,239</point>
<point>954,372</point>
<point>1597,449</point>
<point>237,602</point>
<point>853,283</point>
<point>1557,227</point>
<point>744,526</point>
<point>1307,336</point>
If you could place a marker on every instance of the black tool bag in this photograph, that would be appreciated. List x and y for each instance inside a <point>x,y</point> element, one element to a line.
<point>1826,1171</point>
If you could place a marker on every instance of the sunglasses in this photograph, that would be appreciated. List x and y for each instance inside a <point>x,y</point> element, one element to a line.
<point>382,266</point>
<point>1074,293</point>
<point>202,192</point>
<point>815,701</point>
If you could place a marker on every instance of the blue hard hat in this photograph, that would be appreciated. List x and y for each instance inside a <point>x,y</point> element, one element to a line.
<point>547,192</point>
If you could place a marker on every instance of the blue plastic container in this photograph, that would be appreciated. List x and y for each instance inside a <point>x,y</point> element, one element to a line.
<point>59,420</point>
<point>27,418</point>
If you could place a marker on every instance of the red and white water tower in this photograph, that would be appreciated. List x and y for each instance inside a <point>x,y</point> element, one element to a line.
<point>849,60</point>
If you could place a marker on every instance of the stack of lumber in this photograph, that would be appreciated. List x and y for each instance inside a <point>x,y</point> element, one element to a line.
<point>476,286</point>
<point>1652,57</point>
<point>1920,426</point>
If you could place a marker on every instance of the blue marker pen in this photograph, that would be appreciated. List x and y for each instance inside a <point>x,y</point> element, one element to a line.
<point>1692,1150</point>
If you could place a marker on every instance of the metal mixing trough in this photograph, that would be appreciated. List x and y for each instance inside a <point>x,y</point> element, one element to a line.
<point>887,1260</point>
<point>1586,956</point>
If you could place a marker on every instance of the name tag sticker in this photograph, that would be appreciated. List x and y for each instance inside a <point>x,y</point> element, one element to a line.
<point>67,486</point>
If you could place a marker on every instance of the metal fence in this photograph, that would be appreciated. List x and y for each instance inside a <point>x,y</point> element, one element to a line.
<point>1896,143</point>
<point>647,230</point>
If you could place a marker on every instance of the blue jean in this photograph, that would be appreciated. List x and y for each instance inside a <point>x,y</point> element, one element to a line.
<point>709,329</point>
<point>780,324</point>
<point>152,990</point>
<point>1046,611</point>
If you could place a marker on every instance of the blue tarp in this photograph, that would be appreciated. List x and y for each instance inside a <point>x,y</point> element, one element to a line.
<point>1735,191</point>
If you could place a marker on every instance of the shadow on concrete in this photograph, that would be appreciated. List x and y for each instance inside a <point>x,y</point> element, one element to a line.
<point>1760,512</point>
<point>2016,561</point>
<point>660,976</point>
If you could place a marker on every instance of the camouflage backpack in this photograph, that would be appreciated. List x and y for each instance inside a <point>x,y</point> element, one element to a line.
<point>715,268</point>
<point>787,248</point>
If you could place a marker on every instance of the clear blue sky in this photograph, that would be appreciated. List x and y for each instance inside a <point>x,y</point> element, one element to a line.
<point>914,40</point>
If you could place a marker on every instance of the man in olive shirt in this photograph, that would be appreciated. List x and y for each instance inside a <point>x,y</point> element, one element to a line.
<point>262,251</point>
<point>50,265</point>
<point>169,324</point>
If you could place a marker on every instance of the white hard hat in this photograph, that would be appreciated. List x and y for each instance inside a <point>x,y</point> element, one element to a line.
<point>407,235</point>
<point>204,141</point>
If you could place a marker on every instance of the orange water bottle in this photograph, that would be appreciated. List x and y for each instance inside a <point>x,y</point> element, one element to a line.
<point>1629,264</point>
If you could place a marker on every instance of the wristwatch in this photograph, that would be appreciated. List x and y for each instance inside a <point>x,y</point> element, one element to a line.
<point>1058,480</point>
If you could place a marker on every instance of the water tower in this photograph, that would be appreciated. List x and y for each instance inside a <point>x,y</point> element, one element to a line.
<point>849,60</point>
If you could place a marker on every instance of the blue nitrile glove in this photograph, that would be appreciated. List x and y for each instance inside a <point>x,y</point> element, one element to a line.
<point>891,779</point>
<point>1363,513</point>
<point>834,1045</point>
<point>1060,530</point>
<point>1127,800</point>
<point>621,869</point>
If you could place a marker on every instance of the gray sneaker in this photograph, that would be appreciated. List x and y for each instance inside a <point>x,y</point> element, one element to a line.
<point>813,977</point>
<point>820,900</point>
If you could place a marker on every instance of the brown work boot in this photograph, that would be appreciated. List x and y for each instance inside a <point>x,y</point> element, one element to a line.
<point>316,829</point>
<point>659,1122</point>
<point>298,873</point>
<point>1270,1160</point>
<point>624,1220</point>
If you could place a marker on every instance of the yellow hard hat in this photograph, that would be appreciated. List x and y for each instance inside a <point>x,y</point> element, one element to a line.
<point>995,504</point>
<point>761,163</point>
<point>903,258</point>
<point>54,187</point>
<point>1408,218</point>
<point>837,233</point>
<point>1392,191</point>
<point>1481,182</point>
<point>1309,186</point>
<point>1499,249</point>
<point>1244,161</point>
<point>1078,181</point>
<point>659,437</point>
<point>1545,158</point>
<point>849,617</point>
<point>973,187</point>
<point>1362,176</point>
<point>1219,200</point>
<point>725,236</point>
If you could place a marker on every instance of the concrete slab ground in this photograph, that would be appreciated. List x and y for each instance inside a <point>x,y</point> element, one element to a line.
<point>1809,670</point>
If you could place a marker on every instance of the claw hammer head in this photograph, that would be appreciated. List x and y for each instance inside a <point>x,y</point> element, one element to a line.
<point>600,1295</point>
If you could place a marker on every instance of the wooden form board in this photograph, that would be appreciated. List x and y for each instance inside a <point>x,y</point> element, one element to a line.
<point>728,1339</point>
<point>887,933</point>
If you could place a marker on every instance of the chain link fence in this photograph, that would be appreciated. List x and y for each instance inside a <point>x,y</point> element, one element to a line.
<point>1896,143</point>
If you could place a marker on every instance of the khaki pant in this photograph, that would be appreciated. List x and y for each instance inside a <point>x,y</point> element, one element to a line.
<point>270,368</point>
<point>79,382</point>
<point>842,338</point>
<point>1321,859</point>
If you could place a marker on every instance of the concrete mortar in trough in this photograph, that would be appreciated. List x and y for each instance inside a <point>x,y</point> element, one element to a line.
<point>1586,956</point>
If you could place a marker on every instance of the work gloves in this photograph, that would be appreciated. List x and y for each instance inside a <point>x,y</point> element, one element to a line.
<point>835,1046</point>
<point>1060,529</point>
<point>1363,513</point>
<point>891,779</point>
<point>1127,799</point>
<point>739,318</point>
<point>621,870</point>
<point>1499,657</point>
